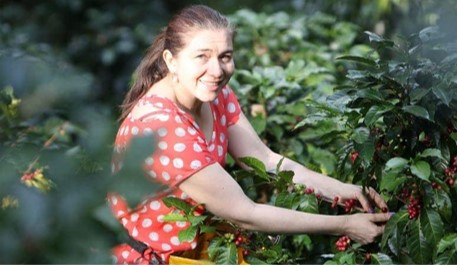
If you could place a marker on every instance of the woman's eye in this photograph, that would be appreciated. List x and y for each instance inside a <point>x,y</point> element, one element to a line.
<point>226,58</point>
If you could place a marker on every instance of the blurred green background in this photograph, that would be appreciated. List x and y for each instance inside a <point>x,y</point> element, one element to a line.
<point>69,63</point>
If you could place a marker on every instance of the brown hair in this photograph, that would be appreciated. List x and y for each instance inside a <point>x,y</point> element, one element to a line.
<point>153,68</point>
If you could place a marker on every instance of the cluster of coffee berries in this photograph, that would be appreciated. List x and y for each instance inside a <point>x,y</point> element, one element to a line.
<point>343,243</point>
<point>240,238</point>
<point>450,172</point>
<point>349,204</point>
<point>309,190</point>
<point>436,186</point>
<point>414,207</point>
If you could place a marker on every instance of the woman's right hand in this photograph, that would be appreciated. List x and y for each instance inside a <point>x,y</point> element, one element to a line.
<point>365,227</point>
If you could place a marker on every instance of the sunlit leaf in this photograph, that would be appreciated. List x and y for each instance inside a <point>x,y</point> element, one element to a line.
<point>178,203</point>
<point>421,169</point>
<point>447,258</point>
<point>449,241</point>
<point>188,234</point>
<point>431,152</point>
<point>397,164</point>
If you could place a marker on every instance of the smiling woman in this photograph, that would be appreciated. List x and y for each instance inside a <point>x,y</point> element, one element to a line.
<point>180,98</point>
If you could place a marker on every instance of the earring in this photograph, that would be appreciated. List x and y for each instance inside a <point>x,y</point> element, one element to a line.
<point>174,77</point>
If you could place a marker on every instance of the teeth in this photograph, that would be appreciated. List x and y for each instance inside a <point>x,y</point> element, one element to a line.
<point>210,83</point>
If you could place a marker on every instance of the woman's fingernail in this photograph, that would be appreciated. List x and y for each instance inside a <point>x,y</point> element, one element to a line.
<point>370,210</point>
<point>391,213</point>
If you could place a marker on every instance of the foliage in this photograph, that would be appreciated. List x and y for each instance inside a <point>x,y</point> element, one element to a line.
<point>292,60</point>
<point>390,123</point>
<point>401,115</point>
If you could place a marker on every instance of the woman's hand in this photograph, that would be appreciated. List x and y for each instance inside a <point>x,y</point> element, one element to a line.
<point>367,197</point>
<point>365,227</point>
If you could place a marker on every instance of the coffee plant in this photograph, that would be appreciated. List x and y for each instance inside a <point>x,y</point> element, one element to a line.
<point>401,120</point>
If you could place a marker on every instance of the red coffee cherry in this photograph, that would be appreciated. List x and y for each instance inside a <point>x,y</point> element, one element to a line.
<point>343,243</point>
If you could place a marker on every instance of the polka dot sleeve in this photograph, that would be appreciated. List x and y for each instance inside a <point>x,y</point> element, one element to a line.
<point>232,106</point>
<point>180,148</point>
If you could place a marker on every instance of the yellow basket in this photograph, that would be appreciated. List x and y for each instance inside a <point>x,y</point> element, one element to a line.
<point>175,260</point>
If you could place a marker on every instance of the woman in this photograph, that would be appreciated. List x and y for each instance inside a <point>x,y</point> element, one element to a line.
<point>181,98</point>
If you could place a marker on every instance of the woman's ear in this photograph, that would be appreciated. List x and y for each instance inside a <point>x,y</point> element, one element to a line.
<point>169,60</point>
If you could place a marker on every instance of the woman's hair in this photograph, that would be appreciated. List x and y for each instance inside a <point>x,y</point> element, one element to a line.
<point>153,68</point>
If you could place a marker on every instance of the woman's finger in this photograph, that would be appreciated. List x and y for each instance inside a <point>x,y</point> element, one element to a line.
<point>377,199</point>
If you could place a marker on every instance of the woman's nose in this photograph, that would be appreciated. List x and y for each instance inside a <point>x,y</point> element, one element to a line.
<point>215,68</point>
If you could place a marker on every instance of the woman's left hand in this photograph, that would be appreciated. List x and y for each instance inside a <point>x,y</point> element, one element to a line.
<point>367,197</point>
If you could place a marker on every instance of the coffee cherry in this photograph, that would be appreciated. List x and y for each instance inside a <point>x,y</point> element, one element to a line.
<point>245,252</point>
<point>335,201</point>
<point>414,208</point>
<point>343,243</point>
<point>309,190</point>
<point>354,156</point>
<point>349,204</point>
<point>450,181</point>
<point>384,209</point>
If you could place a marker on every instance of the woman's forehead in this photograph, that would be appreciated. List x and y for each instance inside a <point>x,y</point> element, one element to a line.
<point>199,39</point>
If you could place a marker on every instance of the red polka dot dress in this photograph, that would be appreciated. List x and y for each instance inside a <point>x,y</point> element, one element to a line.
<point>180,150</point>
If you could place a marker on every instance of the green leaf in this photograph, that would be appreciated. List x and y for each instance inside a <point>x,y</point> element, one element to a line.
<point>174,217</point>
<point>444,204</point>
<point>253,260</point>
<point>381,258</point>
<point>432,226</point>
<point>449,241</point>
<point>216,246</point>
<point>419,248</point>
<point>188,234</point>
<point>366,149</point>
<point>207,229</point>
<point>374,113</point>
<point>375,38</point>
<point>256,165</point>
<point>360,135</point>
<point>391,181</point>
<point>449,257</point>
<point>259,123</point>
<point>431,152</point>
<point>287,200</point>
<point>358,59</point>
<point>309,204</point>
<point>417,94</point>
<point>395,225</point>
<point>417,111</point>
<point>229,256</point>
<point>443,93</point>
<point>421,169</point>
<point>196,220</point>
<point>178,204</point>
<point>278,166</point>
<point>396,164</point>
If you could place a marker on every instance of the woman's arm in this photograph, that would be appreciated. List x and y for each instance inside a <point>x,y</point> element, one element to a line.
<point>248,143</point>
<point>221,195</point>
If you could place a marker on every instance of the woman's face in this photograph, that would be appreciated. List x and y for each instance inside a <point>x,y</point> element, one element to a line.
<point>205,64</point>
